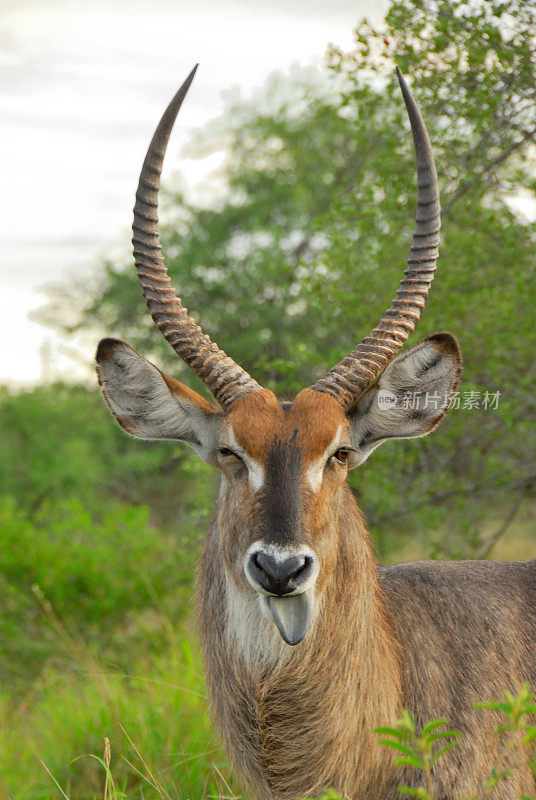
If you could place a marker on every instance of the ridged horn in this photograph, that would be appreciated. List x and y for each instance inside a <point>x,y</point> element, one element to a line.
<point>225,379</point>
<point>354,374</point>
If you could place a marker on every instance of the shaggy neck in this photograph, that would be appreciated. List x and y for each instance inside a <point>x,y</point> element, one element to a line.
<point>301,719</point>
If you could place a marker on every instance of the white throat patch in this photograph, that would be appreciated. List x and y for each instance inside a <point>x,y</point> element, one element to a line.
<point>251,631</point>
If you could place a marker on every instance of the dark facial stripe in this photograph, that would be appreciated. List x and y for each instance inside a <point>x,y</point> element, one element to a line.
<point>281,500</point>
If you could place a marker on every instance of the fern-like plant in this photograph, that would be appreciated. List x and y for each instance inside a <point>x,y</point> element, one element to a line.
<point>418,751</point>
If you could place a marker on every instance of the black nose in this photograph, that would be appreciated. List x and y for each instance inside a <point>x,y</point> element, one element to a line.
<point>279,576</point>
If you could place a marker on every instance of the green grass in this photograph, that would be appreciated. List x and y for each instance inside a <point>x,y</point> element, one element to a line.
<point>98,644</point>
<point>154,716</point>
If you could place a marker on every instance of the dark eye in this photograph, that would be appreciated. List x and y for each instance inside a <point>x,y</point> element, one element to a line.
<point>231,460</point>
<point>341,456</point>
<point>225,452</point>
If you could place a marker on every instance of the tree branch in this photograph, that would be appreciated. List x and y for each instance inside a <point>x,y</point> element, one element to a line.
<point>503,527</point>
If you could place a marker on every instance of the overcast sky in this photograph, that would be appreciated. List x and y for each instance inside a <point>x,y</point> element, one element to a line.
<point>82,85</point>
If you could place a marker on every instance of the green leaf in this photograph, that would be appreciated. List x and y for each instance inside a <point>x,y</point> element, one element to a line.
<point>441,752</point>
<point>432,725</point>
<point>421,793</point>
<point>396,732</point>
<point>445,735</point>
<point>402,748</point>
<point>409,761</point>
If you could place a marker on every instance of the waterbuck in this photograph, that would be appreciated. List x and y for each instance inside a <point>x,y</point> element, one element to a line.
<point>308,643</point>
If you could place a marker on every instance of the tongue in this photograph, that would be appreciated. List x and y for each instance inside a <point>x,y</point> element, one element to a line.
<point>292,615</point>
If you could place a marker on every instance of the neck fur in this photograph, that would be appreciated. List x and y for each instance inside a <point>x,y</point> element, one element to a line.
<point>297,720</point>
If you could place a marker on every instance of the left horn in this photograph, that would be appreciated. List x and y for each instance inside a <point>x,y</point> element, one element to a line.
<point>225,379</point>
<point>350,378</point>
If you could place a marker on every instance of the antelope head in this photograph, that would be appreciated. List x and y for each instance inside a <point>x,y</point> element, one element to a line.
<point>283,464</point>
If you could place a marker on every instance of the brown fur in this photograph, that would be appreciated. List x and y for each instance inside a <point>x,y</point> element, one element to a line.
<point>257,418</point>
<point>181,390</point>
<point>434,638</point>
<point>287,729</point>
<point>431,637</point>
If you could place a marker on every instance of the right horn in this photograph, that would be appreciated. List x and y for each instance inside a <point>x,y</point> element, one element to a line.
<point>352,376</point>
<point>223,376</point>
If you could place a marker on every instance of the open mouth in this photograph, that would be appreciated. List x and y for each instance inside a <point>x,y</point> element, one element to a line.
<point>291,614</point>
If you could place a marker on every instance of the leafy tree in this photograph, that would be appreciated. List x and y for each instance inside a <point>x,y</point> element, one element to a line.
<point>305,247</point>
<point>57,443</point>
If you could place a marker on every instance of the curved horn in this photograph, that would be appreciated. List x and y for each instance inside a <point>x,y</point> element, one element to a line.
<point>354,374</point>
<point>225,379</point>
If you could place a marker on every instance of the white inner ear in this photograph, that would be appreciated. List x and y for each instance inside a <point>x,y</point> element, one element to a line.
<point>409,400</point>
<point>145,407</point>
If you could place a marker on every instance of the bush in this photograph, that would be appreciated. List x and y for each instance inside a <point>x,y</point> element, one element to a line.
<point>92,575</point>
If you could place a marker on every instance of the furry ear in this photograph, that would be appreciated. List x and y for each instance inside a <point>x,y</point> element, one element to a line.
<point>411,397</point>
<point>150,405</point>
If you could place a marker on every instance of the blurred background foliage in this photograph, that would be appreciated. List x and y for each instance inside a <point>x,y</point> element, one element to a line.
<point>295,259</point>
